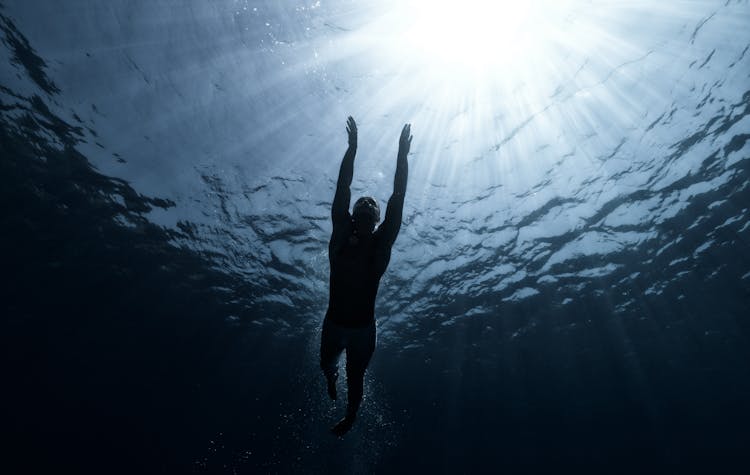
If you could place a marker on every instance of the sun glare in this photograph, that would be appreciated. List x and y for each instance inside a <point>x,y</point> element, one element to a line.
<point>476,34</point>
<point>471,42</point>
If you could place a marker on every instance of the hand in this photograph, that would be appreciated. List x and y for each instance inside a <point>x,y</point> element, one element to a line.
<point>405,142</point>
<point>351,129</point>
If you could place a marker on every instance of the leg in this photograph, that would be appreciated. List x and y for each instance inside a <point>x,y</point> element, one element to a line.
<point>361,345</point>
<point>358,353</point>
<point>331,346</point>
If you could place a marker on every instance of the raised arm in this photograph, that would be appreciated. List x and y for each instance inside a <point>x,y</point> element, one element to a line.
<point>392,222</point>
<point>340,208</point>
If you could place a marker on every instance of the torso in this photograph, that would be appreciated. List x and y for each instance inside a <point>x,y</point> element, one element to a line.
<point>357,264</point>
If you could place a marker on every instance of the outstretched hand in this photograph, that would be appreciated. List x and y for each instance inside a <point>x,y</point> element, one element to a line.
<point>351,129</point>
<point>404,142</point>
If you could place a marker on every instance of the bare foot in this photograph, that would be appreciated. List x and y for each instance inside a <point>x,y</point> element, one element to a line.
<point>343,426</point>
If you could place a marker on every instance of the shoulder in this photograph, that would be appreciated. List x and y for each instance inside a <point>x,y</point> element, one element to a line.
<point>342,220</point>
<point>382,240</point>
<point>341,231</point>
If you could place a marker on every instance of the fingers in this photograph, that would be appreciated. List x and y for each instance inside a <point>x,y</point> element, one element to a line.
<point>406,134</point>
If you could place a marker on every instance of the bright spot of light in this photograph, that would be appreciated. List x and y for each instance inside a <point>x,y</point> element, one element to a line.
<point>477,37</point>
<point>489,80</point>
<point>459,51</point>
<point>470,33</point>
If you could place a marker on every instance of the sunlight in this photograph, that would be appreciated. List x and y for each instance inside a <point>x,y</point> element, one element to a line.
<point>478,68</point>
<point>489,80</point>
<point>473,33</point>
<point>476,50</point>
<point>477,37</point>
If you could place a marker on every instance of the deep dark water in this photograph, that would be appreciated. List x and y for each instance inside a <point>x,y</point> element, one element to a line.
<point>120,353</point>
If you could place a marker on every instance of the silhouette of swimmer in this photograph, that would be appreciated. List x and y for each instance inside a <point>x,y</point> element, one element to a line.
<point>358,255</point>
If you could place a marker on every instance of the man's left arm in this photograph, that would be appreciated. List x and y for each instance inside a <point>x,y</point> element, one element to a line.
<point>394,211</point>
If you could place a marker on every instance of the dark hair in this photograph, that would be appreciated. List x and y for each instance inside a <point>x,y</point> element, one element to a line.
<point>370,203</point>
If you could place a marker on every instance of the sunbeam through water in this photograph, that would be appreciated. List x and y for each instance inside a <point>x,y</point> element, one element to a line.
<point>568,289</point>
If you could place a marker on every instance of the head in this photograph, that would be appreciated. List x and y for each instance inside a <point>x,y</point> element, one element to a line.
<point>365,215</point>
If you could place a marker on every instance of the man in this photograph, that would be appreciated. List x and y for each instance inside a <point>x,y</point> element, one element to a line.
<point>358,255</point>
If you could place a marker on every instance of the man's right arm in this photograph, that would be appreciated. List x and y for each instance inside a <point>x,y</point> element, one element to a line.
<point>340,208</point>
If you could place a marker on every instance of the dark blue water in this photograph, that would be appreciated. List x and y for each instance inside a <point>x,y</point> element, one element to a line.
<point>570,291</point>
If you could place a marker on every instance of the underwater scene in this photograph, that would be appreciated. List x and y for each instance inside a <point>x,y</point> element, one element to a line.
<point>362,236</point>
